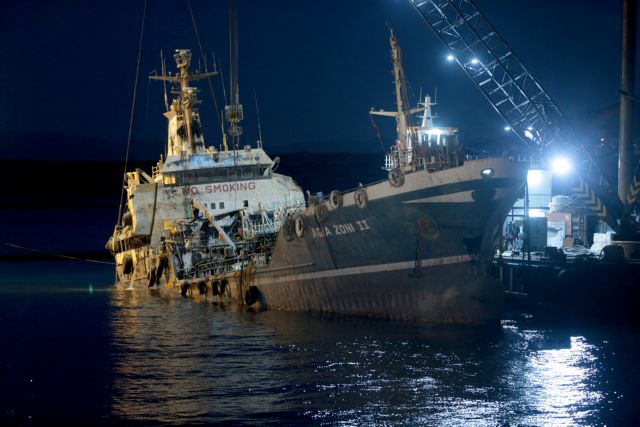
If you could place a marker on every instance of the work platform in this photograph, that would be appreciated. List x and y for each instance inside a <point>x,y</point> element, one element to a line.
<point>571,283</point>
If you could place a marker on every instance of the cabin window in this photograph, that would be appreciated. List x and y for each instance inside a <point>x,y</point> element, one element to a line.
<point>213,205</point>
<point>248,172</point>
<point>246,203</point>
<point>187,178</point>
<point>169,179</point>
<point>203,176</point>
<point>219,174</point>
<point>221,205</point>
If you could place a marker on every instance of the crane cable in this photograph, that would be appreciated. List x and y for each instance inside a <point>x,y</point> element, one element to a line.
<point>133,107</point>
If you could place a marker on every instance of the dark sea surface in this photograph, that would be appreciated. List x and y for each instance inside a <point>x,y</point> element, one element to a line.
<point>77,349</point>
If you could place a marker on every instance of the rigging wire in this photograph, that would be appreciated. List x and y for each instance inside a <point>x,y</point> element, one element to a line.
<point>13,245</point>
<point>204,58</point>
<point>133,107</point>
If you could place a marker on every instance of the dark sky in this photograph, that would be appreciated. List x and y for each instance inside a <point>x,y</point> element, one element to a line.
<point>317,67</point>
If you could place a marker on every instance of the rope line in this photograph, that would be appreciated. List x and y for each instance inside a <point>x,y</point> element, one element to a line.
<point>133,108</point>
<point>13,245</point>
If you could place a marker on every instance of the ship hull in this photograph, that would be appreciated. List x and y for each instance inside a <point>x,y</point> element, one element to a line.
<point>415,252</point>
<point>418,251</point>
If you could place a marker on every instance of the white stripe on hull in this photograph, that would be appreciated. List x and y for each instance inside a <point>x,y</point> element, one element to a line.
<point>367,269</point>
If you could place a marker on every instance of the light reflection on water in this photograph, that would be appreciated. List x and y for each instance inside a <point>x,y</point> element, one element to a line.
<point>146,357</point>
<point>177,360</point>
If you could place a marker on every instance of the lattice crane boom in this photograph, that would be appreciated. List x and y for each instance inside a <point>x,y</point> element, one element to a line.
<point>515,94</point>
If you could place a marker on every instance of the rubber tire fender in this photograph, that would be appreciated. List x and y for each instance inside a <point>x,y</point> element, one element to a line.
<point>251,295</point>
<point>222,286</point>
<point>214,287</point>
<point>321,212</point>
<point>361,198</point>
<point>202,287</point>
<point>335,199</point>
<point>184,288</point>
<point>127,264</point>
<point>396,177</point>
<point>299,224</point>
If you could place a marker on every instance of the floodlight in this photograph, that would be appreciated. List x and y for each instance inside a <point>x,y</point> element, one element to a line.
<point>450,57</point>
<point>561,165</point>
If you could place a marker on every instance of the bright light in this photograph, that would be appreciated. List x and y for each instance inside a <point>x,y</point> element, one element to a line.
<point>537,213</point>
<point>474,61</point>
<point>507,128</point>
<point>450,57</point>
<point>561,165</point>
<point>528,134</point>
<point>530,128</point>
<point>534,177</point>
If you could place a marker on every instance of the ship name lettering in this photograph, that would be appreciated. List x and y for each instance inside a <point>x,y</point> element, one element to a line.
<point>363,225</point>
<point>347,228</point>
<point>340,229</point>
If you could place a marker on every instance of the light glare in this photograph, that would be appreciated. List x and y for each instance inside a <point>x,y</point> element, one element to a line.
<point>450,57</point>
<point>561,165</point>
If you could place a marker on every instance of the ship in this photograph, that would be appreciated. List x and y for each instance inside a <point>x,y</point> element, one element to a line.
<point>222,225</point>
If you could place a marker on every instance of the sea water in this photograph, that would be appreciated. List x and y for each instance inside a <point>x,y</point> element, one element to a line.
<point>77,348</point>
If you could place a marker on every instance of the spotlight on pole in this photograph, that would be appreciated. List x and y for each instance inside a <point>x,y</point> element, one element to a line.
<point>474,61</point>
<point>450,57</point>
<point>507,128</point>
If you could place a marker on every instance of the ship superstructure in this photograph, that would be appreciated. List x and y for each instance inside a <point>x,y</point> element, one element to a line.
<point>236,191</point>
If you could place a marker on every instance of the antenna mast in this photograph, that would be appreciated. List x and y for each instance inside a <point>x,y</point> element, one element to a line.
<point>258,116</point>
<point>233,112</point>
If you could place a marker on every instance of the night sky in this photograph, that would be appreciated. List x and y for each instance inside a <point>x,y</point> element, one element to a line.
<point>317,68</point>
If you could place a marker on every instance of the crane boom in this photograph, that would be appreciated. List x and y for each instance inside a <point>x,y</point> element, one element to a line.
<point>516,95</point>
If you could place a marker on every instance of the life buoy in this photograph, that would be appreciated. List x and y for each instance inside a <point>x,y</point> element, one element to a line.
<point>184,289</point>
<point>299,226</point>
<point>251,295</point>
<point>361,198</point>
<point>396,177</point>
<point>321,212</point>
<point>335,199</point>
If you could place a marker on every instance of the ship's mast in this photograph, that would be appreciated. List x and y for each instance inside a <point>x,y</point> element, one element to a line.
<point>185,134</point>
<point>401,93</point>
<point>402,155</point>
<point>233,112</point>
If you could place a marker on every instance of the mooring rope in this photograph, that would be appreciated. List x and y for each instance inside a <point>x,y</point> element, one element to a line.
<point>13,245</point>
<point>133,108</point>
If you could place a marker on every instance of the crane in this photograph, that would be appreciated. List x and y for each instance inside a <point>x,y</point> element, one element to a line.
<point>520,100</point>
